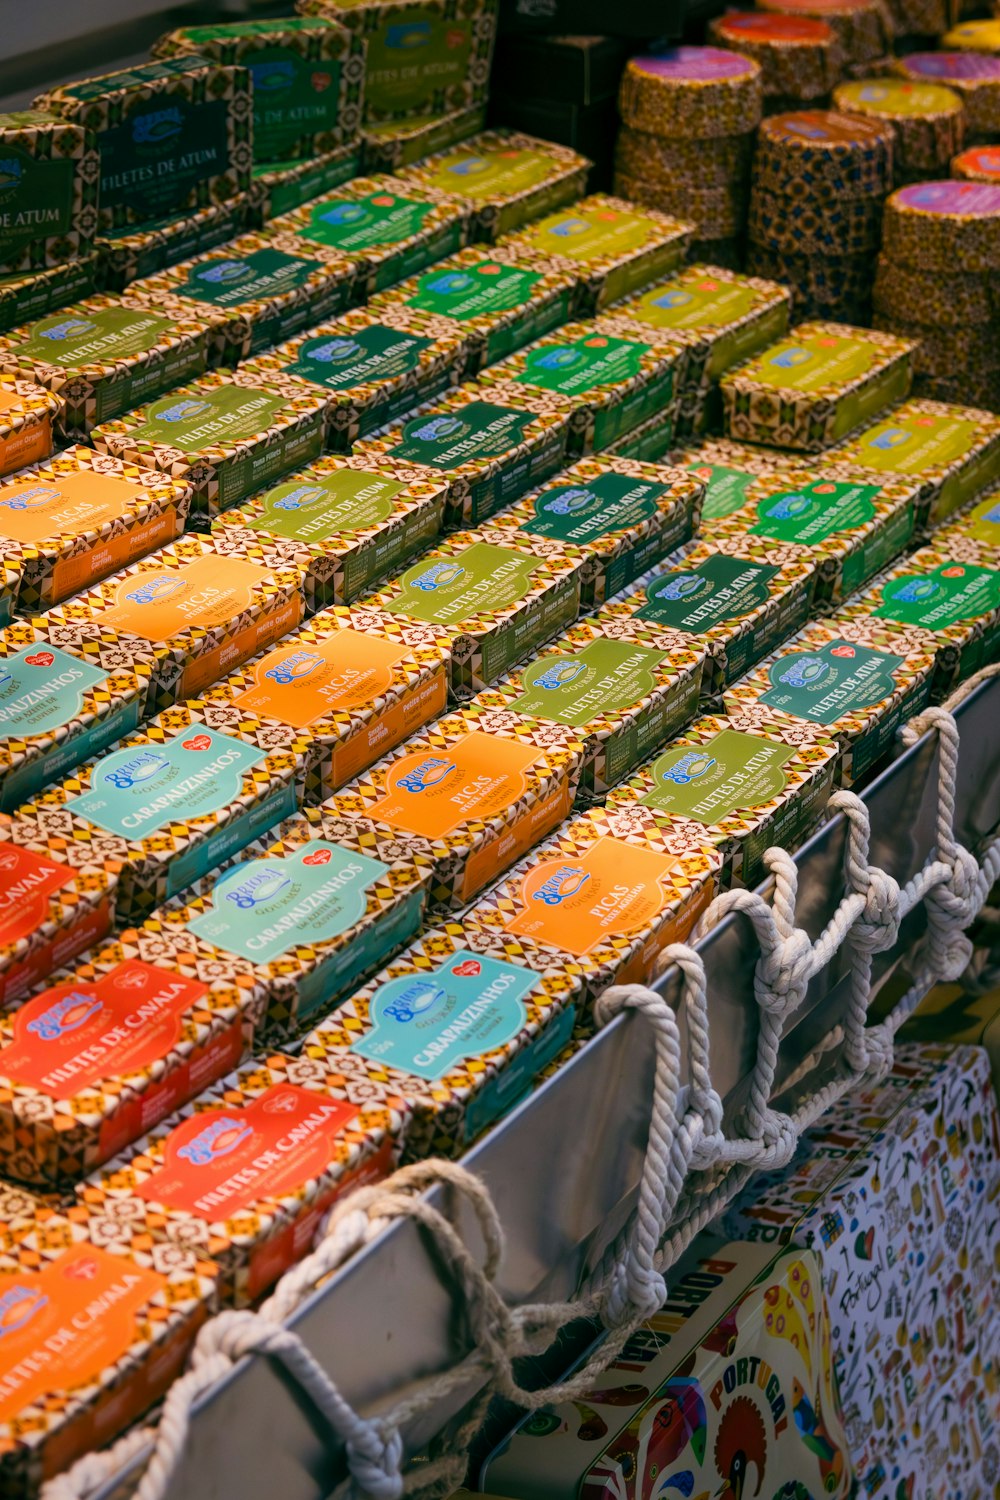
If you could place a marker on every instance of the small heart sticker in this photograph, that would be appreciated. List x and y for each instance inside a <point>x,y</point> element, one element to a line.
<point>199,742</point>
<point>468,969</point>
<point>318,857</point>
<point>321,81</point>
<point>847,651</point>
<point>40,659</point>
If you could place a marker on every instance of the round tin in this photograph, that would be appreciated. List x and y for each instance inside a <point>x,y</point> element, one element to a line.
<point>863,27</point>
<point>799,56</point>
<point>691,91</point>
<point>927,118</point>
<point>825,154</point>
<point>975,76</point>
<point>978,164</point>
<point>944,226</point>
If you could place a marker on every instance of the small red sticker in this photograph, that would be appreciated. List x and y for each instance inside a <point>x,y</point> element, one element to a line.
<point>469,968</point>
<point>318,857</point>
<point>40,659</point>
<point>199,742</point>
<point>847,651</point>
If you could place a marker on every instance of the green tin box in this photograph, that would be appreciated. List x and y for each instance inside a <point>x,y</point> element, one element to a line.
<point>49,171</point>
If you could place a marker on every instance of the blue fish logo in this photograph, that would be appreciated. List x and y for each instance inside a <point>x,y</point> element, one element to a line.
<point>675,297</point>
<point>571,502</point>
<point>430,772</point>
<point>301,496</point>
<point>558,359</point>
<point>66,1015</point>
<point>802,671</point>
<point>682,587</point>
<point>892,437</point>
<point>917,591</point>
<point>272,77</point>
<point>336,351</point>
<point>559,674</point>
<point>138,769</point>
<point>789,359</point>
<point>183,411</point>
<point>295,667</point>
<point>787,507</point>
<point>258,888</point>
<point>407,36</point>
<point>339,214</point>
<point>69,328</point>
<point>155,591</point>
<point>218,1138</point>
<point>225,271</point>
<point>157,126</point>
<point>690,767</point>
<point>414,1000</point>
<point>561,885</point>
<point>18,1306</point>
<point>36,497</point>
<point>451,283</point>
<point>438,576</point>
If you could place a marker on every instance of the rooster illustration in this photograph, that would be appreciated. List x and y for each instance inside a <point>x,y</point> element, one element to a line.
<point>816,1438</point>
<point>637,1462</point>
<point>740,1445</point>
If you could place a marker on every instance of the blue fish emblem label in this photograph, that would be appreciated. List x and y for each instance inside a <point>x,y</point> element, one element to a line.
<point>66,1015</point>
<point>438,576</point>
<point>413,1000</point>
<point>690,767</point>
<point>10,172</point>
<point>295,667</point>
<point>451,283</point>
<point>917,591</point>
<point>560,674</point>
<point>787,507</point>
<point>682,587</point>
<point>342,214</point>
<point>69,328</point>
<point>673,297</point>
<point>219,1138</point>
<point>35,497</point>
<point>133,772</point>
<point>561,885</point>
<point>335,351</point>
<point>407,36</point>
<point>18,1306</point>
<point>183,411</point>
<point>272,77</point>
<point>557,359</point>
<point>439,429</point>
<point>225,271</point>
<point>428,773</point>
<point>571,502</point>
<point>156,126</point>
<point>892,437</point>
<point>303,495</point>
<point>258,889</point>
<point>801,671</point>
<point>155,590</point>
<point>790,359</point>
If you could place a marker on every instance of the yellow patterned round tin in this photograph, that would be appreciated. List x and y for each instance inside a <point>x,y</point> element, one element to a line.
<point>973,36</point>
<point>928,119</point>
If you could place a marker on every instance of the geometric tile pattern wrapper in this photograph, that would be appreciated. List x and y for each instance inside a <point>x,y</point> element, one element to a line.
<point>255,291</point>
<point>173,136</point>
<point>975,534</point>
<point>624,515</point>
<point>109,1048</point>
<point>847,527</point>
<point>815,386</point>
<point>507,179</point>
<point>391,234</point>
<point>476,790</point>
<point>491,443</point>
<point>51,169</point>
<point>82,515</point>
<point>58,707</point>
<point>602,897</point>
<point>226,435</point>
<point>390,145</point>
<point>609,375</point>
<point>742,786</point>
<point>896,1191</point>
<point>727,469</point>
<point>491,297</point>
<point>460,1033</point>
<point>952,452</point>
<point>139,250</point>
<point>28,414</point>
<point>346,523</point>
<point>243,1174</point>
<point>350,693</point>
<point>308,79</point>
<point>945,226</point>
<point>307,915</point>
<point>105,1328</point>
<point>612,247</point>
<point>104,355</point>
<point>281,186</point>
<point>927,119</point>
<point>188,614</point>
<point>623,692</point>
<point>942,604</point>
<point>852,678</point>
<point>176,799</point>
<point>735,607</point>
<point>691,92</point>
<point>498,595</point>
<point>57,898</point>
<point>370,368</point>
<point>728,1386</point>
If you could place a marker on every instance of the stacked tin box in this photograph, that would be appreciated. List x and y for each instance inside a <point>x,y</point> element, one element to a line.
<point>819,181</point>
<point>937,283</point>
<point>689,116</point>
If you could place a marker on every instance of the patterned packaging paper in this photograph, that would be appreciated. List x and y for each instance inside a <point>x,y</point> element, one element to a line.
<point>278,187</point>
<point>98,358</point>
<point>896,1191</point>
<point>953,452</point>
<point>184,616</point>
<point>939,603</point>
<point>815,386</point>
<point>460,1034</point>
<point>741,785</point>
<point>475,790</point>
<point>728,469</point>
<point>625,516</point>
<point>57,708</point>
<point>308,78</point>
<point>175,800</point>
<point>28,413</point>
<point>691,92</point>
<point>611,246</point>
<point>496,595</point>
<point>306,916</point>
<point>51,171</point>
<point>82,515</point>
<point>391,145</point>
<point>849,525</point>
<point>737,608</point>
<point>57,900</point>
<point>722,316</point>
<point>507,178</point>
<point>927,119</point>
<point>172,136</point>
<point>823,155</point>
<point>370,369</point>
<point>495,301</point>
<point>109,1048</point>
<point>346,523</point>
<point>800,57</point>
<point>602,896</point>
<point>104,1330</point>
<point>491,443</point>
<point>622,692</point>
<point>728,1386</point>
<point>952,225</point>
<point>289,1138</point>
<point>351,692</point>
<point>975,534</point>
<point>853,679</point>
<point>31,294</point>
<point>650,442</point>
<point>225,435</point>
<point>253,292</point>
<point>139,250</point>
<point>423,57</point>
<point>610,376</point>
<point>392,234</point>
